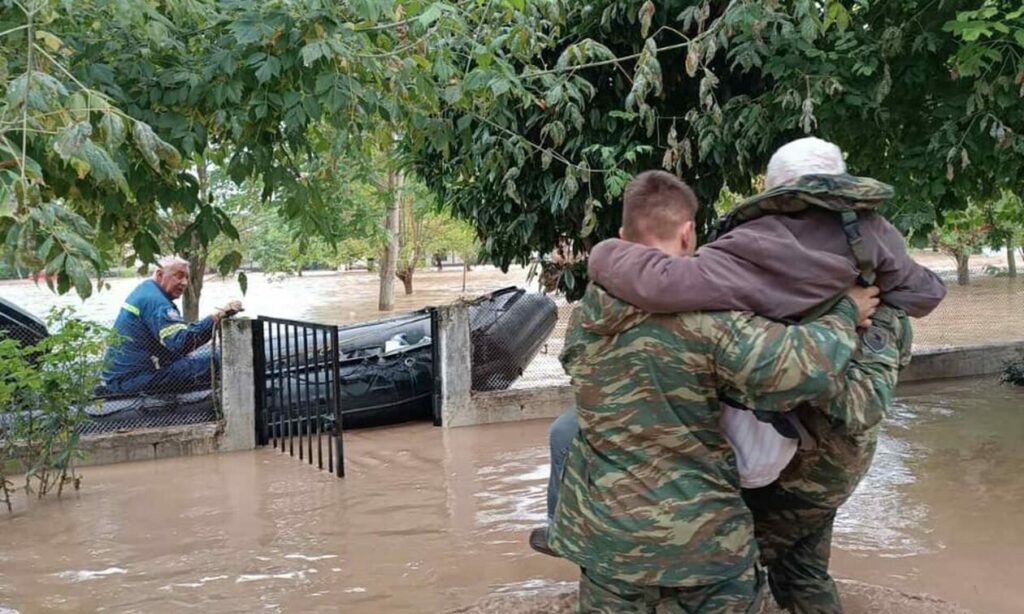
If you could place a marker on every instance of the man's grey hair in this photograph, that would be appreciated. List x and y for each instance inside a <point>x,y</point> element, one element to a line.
<point>807,156</point>
<point>170,261</point>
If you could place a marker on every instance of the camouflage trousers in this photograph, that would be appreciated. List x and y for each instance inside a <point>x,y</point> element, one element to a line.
<point>793,517</point>
<point>795,539</point>
<point>740,595</point>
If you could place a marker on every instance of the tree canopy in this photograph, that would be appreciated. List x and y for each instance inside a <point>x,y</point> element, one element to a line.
<point>526,117</point>
<point>921,94</point>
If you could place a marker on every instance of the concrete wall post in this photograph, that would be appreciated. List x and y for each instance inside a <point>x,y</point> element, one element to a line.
<point>238,398</point>
<point>456,364</point>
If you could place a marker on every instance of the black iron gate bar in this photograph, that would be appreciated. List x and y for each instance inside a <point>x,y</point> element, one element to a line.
<point>298,389</point>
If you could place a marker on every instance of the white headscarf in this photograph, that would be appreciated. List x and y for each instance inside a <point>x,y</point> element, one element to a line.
<point>807,156</point>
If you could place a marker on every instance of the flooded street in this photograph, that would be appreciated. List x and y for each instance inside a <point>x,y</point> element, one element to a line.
<point>327,297</point>
<point>428,520</point>
<point>941,510</point>
<point>991,309</point>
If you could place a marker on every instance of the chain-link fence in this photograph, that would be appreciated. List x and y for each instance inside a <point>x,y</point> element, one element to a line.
<point>990,309</point>
<point>161,371</point>
<point>545,369</point>
<point>155,373</point>
<point>508,329</point>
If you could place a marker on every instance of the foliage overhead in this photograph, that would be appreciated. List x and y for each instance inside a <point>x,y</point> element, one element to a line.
<point>710,90</point>
<point>526,117</point>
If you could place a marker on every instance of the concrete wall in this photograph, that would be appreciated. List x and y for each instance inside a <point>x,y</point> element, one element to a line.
<point>238,396</point>
<point>455,351</point>
<point>551,401</point>
<point>151,444</point>
<point>968,361</point>
<point>521,404</point>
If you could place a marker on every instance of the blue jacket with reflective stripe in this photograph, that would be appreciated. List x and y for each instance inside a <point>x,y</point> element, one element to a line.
<point>154,332</point>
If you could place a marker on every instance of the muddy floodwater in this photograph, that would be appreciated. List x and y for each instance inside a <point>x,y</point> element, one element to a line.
<point>429,519</point>
<point>991,309</point>
<point>327,297</point>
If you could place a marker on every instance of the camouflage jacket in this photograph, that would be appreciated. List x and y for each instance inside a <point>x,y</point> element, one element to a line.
<point>650,493</point>
<point>846,434</point>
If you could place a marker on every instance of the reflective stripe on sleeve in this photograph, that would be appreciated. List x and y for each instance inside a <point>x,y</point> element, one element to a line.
<point>167,331</point>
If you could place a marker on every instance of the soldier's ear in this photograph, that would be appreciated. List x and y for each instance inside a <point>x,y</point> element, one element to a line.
<point>622,233</point>
<point>688,238</point>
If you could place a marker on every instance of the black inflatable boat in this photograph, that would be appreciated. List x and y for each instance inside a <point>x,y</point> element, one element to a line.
<point>386,366</point>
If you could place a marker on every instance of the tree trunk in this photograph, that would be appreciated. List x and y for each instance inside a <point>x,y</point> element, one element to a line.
<point>1011,260</point>
<point>197,266</point>
<point>465,269</point>
<point>389,258</point>
<point>196,255</point>
<point>963,274</point>
<point>406,276</point>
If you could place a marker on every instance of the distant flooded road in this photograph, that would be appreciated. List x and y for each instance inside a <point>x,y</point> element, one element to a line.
<point>327,297</point>
<point>991,309</point>
<point>428,520</point>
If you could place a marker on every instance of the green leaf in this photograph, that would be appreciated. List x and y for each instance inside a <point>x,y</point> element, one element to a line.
<point>112,129</point>
<point>78,276</point>
<point>49,40</point>
<point>7,205</point>
<point>230,262</point>
<point>270,68</point>
<point>54,265</point>
<point>243,282</point>
<point>500,86</point>
<point>312,52</point>
<point>93,159</point>
<point>43,253</point>
<point>429,16</point>
<point>71,140</point>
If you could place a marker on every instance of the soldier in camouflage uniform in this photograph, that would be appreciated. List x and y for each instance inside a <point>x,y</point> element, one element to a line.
<point>650,505</point>
<point>753,270</point>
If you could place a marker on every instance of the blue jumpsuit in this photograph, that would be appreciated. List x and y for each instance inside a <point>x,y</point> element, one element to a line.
<point>158,352</point>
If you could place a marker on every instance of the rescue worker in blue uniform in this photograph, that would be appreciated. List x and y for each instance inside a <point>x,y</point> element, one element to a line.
<point>159,351</point>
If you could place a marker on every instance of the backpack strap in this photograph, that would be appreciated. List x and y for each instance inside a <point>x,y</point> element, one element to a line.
<point>851,228</point>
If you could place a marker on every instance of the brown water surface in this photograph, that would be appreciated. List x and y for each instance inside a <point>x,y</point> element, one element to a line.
<point>328,297</point>
<point>991,309</point>
<point>429,519</point>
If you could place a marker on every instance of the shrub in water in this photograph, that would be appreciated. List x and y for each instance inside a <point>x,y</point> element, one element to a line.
<point>43,390</point>
<point>1014,373</point>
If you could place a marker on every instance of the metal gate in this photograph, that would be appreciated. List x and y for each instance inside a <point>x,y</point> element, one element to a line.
<point>297,370</point>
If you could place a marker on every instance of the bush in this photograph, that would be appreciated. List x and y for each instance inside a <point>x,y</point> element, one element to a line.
<point>44,389</point>
<point>1014,372</point>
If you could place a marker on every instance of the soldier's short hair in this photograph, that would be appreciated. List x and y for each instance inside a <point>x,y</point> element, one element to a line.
<point>655,205</point>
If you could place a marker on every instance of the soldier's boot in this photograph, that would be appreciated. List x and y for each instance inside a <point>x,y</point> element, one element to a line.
<point>539,542</point>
